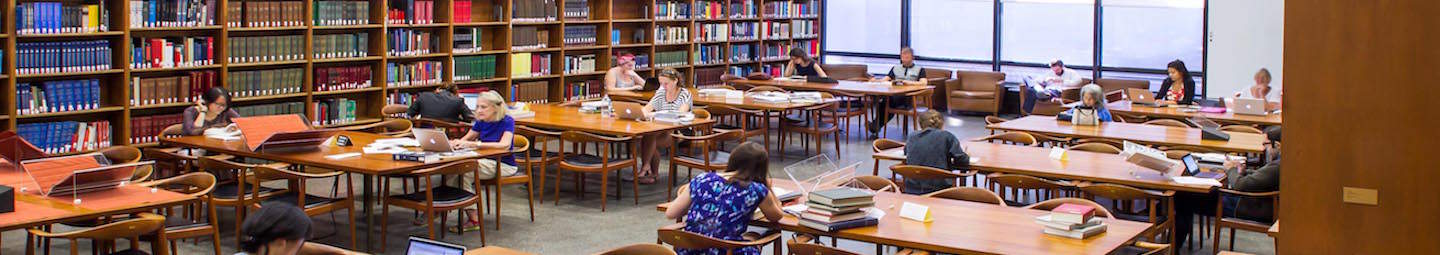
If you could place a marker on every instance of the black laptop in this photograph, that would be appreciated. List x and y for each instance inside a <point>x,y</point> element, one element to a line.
<point>651,84</point>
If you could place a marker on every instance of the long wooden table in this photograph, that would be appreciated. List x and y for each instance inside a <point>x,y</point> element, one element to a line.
<point>853,87</point>
<point>554,116</point>
<point>742,103</point>
<point>1124,106</point>
<point>33,209</point>
<point>1140,133</point>
<point>369,166</point>
<point>1080,166</point>
<point>962,227</point>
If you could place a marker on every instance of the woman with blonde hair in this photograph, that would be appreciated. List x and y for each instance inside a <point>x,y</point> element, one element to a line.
<point>670,97</point>
<point>493,129</point>
<point>933,147</point>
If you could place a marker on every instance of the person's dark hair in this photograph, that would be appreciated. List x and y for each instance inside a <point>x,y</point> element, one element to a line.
<point>449,87</point>
<point>1057,62</point>
<point>1184,73</point>
<point>1273,133</point>
<point>215,93</point>
<point>801,54</point>
<point>750,163</point>
<point>274,221</point>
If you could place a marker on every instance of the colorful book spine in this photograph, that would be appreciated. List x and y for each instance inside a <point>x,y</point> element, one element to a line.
<point>171,89</point>
<point>418,73</point>
<point>157,13</point>
<point>342,78</point>
<point>68,56</point>
<point>583,90</point>
<point>59,18</point>
<point>580,35</point>
<point>146,129</point>
<point>66,136</point>
<point>333,111</point>
<point>266,14</point>
<point>271,109</point>
<point>579,64</point>
<point>671,58</point>
<point>411,12</point>
<point>468,40</point>
<point>577,9</point>
<point>58,96</point>
<point>172,52</point>
<point>411,42</point>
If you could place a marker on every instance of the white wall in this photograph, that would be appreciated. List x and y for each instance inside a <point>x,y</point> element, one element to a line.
<point>1245,35</point>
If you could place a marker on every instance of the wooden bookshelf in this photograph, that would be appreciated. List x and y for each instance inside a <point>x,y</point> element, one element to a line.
<point>618,19</point>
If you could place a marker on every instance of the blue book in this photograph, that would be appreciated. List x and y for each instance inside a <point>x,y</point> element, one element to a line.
<point>94,93</point>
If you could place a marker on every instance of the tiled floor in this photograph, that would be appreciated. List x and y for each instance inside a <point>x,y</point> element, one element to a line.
<point>576,226</point>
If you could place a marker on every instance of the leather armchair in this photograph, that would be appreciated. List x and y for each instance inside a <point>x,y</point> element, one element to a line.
<point>937,78</point>
<point>849,72</point>
<point>1115,88</point>
<point>1046,107</point>
<point>975,91</point>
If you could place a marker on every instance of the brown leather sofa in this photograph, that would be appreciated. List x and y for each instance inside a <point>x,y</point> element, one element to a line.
<point>849,72</point>
<point>975,91</point>
<point>937,78</point>
<point>1046,107</point>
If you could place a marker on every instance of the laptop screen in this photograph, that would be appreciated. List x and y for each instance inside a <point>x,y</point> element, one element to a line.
<point>422,246</point>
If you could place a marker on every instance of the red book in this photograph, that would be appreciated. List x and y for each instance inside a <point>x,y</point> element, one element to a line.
<point>1072,213</point>
<point>157,47</point>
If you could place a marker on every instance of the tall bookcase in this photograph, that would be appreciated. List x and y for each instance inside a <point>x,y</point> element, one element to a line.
<point>620,20</point>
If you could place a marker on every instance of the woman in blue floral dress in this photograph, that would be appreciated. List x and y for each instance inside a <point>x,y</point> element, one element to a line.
<point>720,205</point>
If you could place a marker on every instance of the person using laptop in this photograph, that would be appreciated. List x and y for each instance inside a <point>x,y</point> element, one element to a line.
<point>670,97</point>
<point>1178,86</point>
<point>933,147</point>
<point>1261,89</point>
<point>281,229</point>
<point>493,129</point>
<point>442,104</point>
<point>1263,179</point>
<point>623,77</point>
<point>906,73</point>
<point>801,64</point>
<point>1092,98</point>
<point>1048,85</point>
<point>212,111</point>
<point>721,204</point>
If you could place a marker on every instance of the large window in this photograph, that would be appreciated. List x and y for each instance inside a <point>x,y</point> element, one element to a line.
<point>870,26</point>
<point>1150,33</point>
<point>1037,31</point>
<point>953,29</point>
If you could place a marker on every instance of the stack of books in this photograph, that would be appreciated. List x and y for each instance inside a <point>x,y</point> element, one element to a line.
<point>838,209</point>
<point>1072,221</point>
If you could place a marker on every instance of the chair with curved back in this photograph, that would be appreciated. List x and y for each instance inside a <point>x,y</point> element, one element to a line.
<point>676,236</point>
<point>1018,189</point>
<point>877,183</point>
<point>850,106</point>
<point>311,204</point>
<point>1106,141</point>
<point>846,72</point>
<point>929,173</point>
<point>539,157</point>
<point>818,121</point>
<point>1046,107</point>
<point>1050,204</point>
<point>709,158</point>
<point>1096,147</point>
<point>437,198</point>
<point>972,194</point>
<point>206,223</point>
<point>170,161</point>
<point>883,144</point>
<point>765,89</point>
<point>803,244</point>
<point>389,127</point>
<point>1129,118</point>
<point>992,120</point>
<point>134,228</point>
<point>1167,122</point>
<point>749,123</point>
<point>639,249</point>
<point>1158,205</point>
<point>519,146</point>
<point>1242,129</point>
<point>394,110</point>
<point>1236,223</point>
<point>240,190</point>
<point>1015,137</point>
<point>909,114</point>
<point>582,163</point>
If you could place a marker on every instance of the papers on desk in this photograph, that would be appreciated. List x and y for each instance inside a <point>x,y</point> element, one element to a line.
<point>402,141</point>
<point>771,97</point>
<point>227,133</point>
<point>805,97</point>
<point>793,78</point>
<point>1190,180</point>
<point>1216,157</point>
<point>383,150</point>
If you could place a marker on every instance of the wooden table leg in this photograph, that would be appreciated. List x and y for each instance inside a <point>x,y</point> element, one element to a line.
<point>367,202</point>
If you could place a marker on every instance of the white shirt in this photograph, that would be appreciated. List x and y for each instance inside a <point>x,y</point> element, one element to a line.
<point>1274,95</point>
<point>1069,79</point>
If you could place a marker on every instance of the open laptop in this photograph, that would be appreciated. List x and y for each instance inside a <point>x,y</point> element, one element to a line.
<point>433,140</point>
<point>423,246</point>
<point>651,84</point>
<point>1249,106</point>
<point>628,110</point>
<point>1142,96</point>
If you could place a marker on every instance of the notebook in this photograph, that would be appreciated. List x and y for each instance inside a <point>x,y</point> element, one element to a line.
<point>423,246</point>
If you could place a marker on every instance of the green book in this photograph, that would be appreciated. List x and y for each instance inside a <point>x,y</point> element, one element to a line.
<point>841,197</point>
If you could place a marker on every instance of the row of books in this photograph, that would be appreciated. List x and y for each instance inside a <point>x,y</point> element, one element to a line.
<point>576,64</point>
<point>642,59</point>
<point>741,71</point>
<point>266,14</point>
<point>838,209</point>
<point>146,129</point>
<point>709,76</point>
<point>352,45</point>
<point>775,29</point>
<point>172,52</point>
<point>265,82</point>
<point>271,109</point>
<point>804,28</point>
<point>791,9</point>
<point>468,40</point>
<point>583,90</point>
<point>465,12</point>
<point>637,35</point>
<point>529,64</point>
<point>333,111</point>
<point>709,54</point>
<point>58,96</point>
<point>577,9</point>
<point>469,68</point>
<point>671,58</point>
<point>70,56</point>
<point>710,9</point>
<point>534,11</point>
<point>741,53</point>
<point>411,12</point>
<point>57,17</point>
<point>672,34</point>
<point>1074,221</point>
<point>533,92</point>
<point>742,9</point>
<point>776,51</point>
<point>411,42</point>
<point>66,136</point>
<point>172,13</point>
<point>580,35</point>
<point>712,32</point>
<point>740,31</point>
<point>341,12</point>
<point>809,46</point>
<point>529,38</point>
<point>774,70</point>
<point>171,89</point>
<point>418,73</point>
<point>401,99</point>
<point>672,10</point>
<point>342,78</point>
<point>253,49</point>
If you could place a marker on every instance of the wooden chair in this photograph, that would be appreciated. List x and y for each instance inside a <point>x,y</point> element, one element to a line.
<point>803,244</point>
<point>1096,147</point>
<point>1158,205</point>
<point>519,146</point>
<point>121,154</point>
<point>1052,141</point>
<point>539,157</point>
<point>132,229</point>
<point>582,163</point>
<point>929,173</point>
<point>1129,118</point>
<point>436,198</point>
<point>709,158</point>
<point>197,223</point>
<point>1242,129</point>
<point>676,236</point>
<point>312,204</point>
<point>395,110</point>
<point>749,123</point>
<point>639,249</point>
<point>1107,141</point>
<point>169,161</point>
<point>883,144</point>
<point>240,191</point>
<point>1167,122</point>
<point>919,102</point>
<point>877,183</point>
<point>142,173</point>
<point>1235,223</point>
<point>1022,188</point>
<point>1017,138</point>
<point>1050,204</point>
<point>389,127</point>
<point>765,89</point>
<point>992,120</point>
<point>819,120</point>
<point>850,106</point>
<point>972,194</point>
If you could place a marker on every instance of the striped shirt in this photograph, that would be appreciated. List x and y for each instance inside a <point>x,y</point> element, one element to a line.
<point>659,104</point>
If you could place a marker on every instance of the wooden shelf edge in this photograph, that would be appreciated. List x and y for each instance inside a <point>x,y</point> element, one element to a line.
<point>358,121</point>
<point>72,113</point>
<point>161,106</point>
<point>348,91</point>
<point>261,98</point>
<point>46,75</point>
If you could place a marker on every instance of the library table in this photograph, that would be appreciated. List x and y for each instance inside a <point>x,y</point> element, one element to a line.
<point>1139,133</point>
<point>852,87</point>
<point>1124,106</point>
<point>1079,166</point>
<point>569,118</point>
<point>963,227</point>
<point>369,166</point>
<point>747,103</point>
<point>33,209</point>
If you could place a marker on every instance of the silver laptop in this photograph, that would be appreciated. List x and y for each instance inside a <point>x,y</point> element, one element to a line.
<point>628,110</point>
<point>432,140</point>
<point>423,246</point>
<point>1142,96</point>
<point>1248,106</point>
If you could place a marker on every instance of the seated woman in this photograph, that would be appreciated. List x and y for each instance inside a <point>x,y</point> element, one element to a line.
<point>212,111</point>
<point>720,205</point>
<point>670,97</point>
<point>623,77</point>
<point>280,229</point>
<point>803,65</point>
<point>933,147</point>
<point>1178,86</point>
<point>493,129</point>
<point>1093,97</point>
